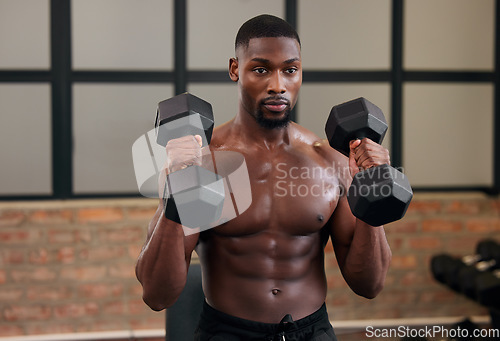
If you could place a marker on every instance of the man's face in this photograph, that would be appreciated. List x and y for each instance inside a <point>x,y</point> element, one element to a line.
<point>269,74</point>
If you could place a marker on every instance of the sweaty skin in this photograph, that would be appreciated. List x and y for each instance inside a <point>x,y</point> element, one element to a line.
<point>269,261</point>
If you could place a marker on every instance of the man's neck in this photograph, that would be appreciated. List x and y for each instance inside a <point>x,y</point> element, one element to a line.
<point>254,134</point>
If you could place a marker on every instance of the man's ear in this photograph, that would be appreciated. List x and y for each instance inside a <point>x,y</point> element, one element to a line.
<point>233,69</point>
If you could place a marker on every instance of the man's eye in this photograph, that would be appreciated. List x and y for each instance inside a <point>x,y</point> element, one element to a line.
<point>259,70</point>
<point>291,70</point>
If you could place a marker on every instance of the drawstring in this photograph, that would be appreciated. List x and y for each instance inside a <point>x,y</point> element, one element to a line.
<point>285,324</point>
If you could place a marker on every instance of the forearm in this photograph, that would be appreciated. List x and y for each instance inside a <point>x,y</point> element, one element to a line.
<point>367,262</point>
<point>162,265</point>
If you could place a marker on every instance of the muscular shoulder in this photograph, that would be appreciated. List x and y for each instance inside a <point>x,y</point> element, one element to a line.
<point>322,149</point>
<point>220,135</point>
<point>306,138</point>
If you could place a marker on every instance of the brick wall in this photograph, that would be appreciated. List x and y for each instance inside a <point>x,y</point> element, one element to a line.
<point>69,266</point>
<point>434,223</point>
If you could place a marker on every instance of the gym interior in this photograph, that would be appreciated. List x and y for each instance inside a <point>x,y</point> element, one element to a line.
<point>80,81</point>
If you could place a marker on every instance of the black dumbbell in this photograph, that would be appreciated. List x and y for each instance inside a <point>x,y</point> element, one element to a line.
<point>193,196</point>
<point>459,273</point>
<point>444,267</point>
<point>487,257</point>
<point>378,195</point>
<point>488,289</point>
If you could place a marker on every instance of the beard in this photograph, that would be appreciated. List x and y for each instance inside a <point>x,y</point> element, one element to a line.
<point>269,123</point>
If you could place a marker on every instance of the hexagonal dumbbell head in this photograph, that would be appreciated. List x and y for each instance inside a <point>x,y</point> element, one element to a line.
<point>358,118</point>
<point>198,195</point>
<point>185,114</point>
<point>379,195</point>
<point>441,265</point>
<point>487,289</point>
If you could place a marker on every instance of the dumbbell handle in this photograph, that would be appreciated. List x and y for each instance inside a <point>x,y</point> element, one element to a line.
<point>485,265</point>
<point>471,259</point>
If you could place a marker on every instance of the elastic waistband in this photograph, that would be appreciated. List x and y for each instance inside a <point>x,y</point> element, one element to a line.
<point>211,315</point>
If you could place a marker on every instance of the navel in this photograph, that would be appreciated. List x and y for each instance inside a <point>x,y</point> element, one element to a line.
<point>320,218</point>
<point>275,291</point>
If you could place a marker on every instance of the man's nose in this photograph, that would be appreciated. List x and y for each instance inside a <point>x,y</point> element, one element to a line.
<point>276,84</point>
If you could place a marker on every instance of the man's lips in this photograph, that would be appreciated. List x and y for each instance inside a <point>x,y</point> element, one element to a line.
<point>276,105</point>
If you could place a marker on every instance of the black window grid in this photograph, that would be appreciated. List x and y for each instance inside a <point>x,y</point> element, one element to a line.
<point>61,77</point>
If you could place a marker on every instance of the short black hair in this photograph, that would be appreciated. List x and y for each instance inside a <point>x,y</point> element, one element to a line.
<point>264,26</point>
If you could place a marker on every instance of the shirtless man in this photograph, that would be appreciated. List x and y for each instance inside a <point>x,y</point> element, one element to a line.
<point>265,268</point>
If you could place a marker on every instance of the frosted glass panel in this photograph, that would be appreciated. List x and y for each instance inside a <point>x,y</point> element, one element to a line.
<point>448,134</point>
<point>449,34</point>
<point>25,139</point>
<point>223,97</point>
<point>107,120</point>
<point>212,28</point>
<point>316,102</point>
<point>345,34</point>
<point>122,34</point>
<point>24,34</point>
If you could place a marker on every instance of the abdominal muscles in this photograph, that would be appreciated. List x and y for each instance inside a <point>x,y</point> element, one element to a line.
<point>264,276</point>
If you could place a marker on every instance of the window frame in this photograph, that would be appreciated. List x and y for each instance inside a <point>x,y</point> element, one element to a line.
<point>61,77</point>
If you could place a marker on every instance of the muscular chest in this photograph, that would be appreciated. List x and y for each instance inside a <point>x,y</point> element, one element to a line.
<point>294,193</point>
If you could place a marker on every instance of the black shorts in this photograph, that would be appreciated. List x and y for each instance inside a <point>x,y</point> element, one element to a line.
<point>217,326</point>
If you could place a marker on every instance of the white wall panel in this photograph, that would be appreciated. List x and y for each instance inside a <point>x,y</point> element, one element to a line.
<point>212,28</point>
<point>345,34</point>
<point>24,34</point>
<point>222,97</point>
<point>449,34</point>
<point>25,139</point>
<point>122,34</point>
<point>108,118</point>
<point>448,134</point>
